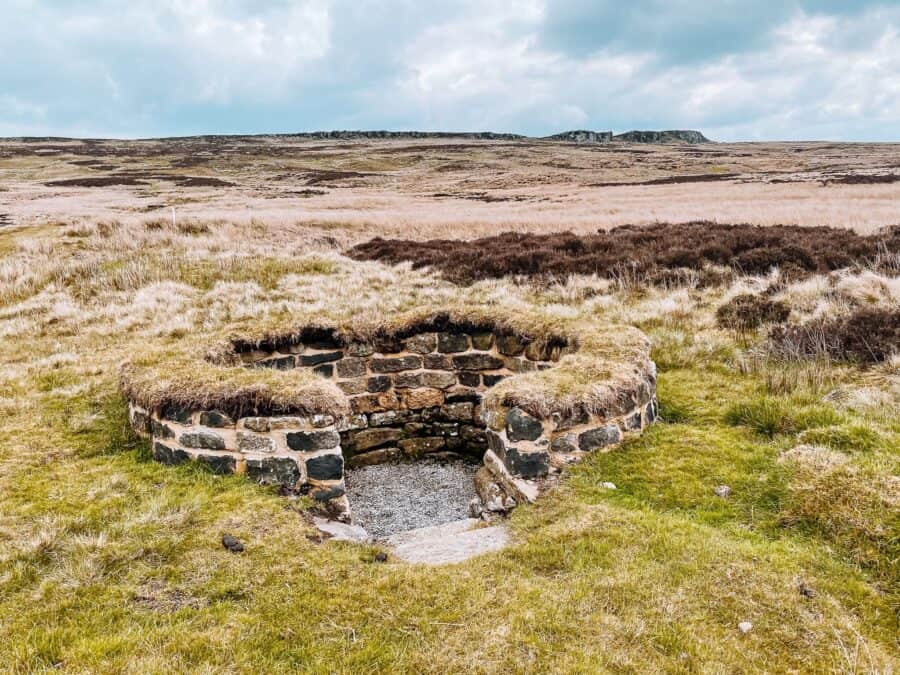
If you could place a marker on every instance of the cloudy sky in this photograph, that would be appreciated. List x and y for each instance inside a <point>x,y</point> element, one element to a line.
<point>748,70</point>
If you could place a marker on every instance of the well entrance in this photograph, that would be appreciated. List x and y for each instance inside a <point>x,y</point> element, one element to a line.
<point>420,392</point>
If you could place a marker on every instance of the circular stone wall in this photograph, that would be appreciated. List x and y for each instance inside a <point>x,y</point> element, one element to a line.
<point>435,386</point>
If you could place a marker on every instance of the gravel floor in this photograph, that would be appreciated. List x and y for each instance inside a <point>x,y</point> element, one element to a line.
<point>390,498</point>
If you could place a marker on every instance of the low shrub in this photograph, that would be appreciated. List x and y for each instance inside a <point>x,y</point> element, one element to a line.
<point>868,335</point>
<point>747,312</point>
<point>644,250</point>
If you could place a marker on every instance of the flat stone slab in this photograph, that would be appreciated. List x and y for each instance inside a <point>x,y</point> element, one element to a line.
<point>448,543</point>
<point>342,531</point>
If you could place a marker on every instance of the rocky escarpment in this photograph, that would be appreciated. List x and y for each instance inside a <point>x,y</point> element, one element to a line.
<point>667,136</point>
<point>582,136</point>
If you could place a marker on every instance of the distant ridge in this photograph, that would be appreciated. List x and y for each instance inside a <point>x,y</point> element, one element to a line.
<point>573,136</point>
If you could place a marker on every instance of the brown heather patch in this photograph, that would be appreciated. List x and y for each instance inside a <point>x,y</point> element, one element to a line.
<point>747,311</point>
<point>868,335</point>
<point>649,251</point>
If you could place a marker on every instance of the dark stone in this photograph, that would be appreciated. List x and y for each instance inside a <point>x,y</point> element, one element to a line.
<point>202,439</point>
<point>322,357</point>
<point>177,413</point>
<point>477,362</point>
<point>519,365</point>
<point>232,544</point>
<point>422,343</point>
<point>565,444</point>
<point>274,471</point>
<point>160,430</point>
<point>308,441</point>
<point>633,421</point>
<point>469,379</point>
<point>396,364</point>
<point>351,367</point>
<point>325,370</point>
<point>380,419</point>
<point>378,383</point>
<point>140,421</point>
<point>213,418</point>
<point>520,426</point>
<point>473,435</point>
<point>381,557</point>
<point>537,351</point>
<point>599,437</point>
<point>482,341</point>
<point>408,380</point>
<point>323,494</point>
<point>438,379</point>
<point>325,467</point>
<point>220,464</point>
<point>652,411</point>
<point>452,342</point>
<point>278,363</point>
<point>386,345</point>
<point>460,412</point>
<point>166,455</point>
<point>437,362</point>
<point>573,419</point>
<point>463,396</point>
<point>495,443</point>
<point>527,464</point>
<point>510,345</point>
<point>491,380</point>
<point>260,424</point>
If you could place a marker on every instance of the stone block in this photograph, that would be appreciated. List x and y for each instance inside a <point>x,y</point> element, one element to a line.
<point>452,342</point>
<point>437,362</point>
<point>275,363</point>
<point>352,422</point>
<point>355,386</point>
<point>327,492</point>
<point>260,424</point>
<point>469,379</point>
<point>274,471</point>
<point>309,441</point>
<point>378,383</point>
<point>374,437</point>
<point>422,343</point>
<point>314,359</point>
<point>408,380</point>
<point>461,412</point>
<point>510,345</point>
<point>632,422</point>
<point>351,367</point>
<point>369,403</point>
<point>477,361</point>
<point>250,442</point>
<point>220,464</point>
<point>592,439</point>
<point>490,380</point>
<point>520,426</point>
<point>360,349</point>
<point>573,419</point>
<point>380,456</point>
<point>387,345</point>
<point>421,398</point>
<point>290,422</point>
<point>395,364</point>
<point>216,419</point>
<point>169,455</point>
<point>567,443</point>
<point>161,429</point>
<point>537,351</point>
<point>325,370</point>
<point>482,341</point>
<point>140,421</point>
<point>325,467</point>
<point>379,419</point>
<point>177,413</point>
<point>206,440</point>
<point>438,379</point>
<point>416,447</point>
<point>527,464</point>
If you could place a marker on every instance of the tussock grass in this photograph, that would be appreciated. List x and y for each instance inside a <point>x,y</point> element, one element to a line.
<point>110,562</point>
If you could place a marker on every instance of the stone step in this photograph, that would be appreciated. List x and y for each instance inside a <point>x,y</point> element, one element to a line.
<point>448,543</point>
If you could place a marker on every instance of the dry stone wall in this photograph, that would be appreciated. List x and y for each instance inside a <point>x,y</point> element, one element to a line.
<point>409,396</point>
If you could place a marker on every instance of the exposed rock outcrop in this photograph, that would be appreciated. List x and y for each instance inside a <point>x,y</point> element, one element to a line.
<point>667,136</point>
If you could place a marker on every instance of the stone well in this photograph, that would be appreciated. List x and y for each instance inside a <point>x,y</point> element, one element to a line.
<point>423,390</point>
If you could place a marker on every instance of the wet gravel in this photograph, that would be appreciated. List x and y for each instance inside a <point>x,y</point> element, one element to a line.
<point>390,498</point>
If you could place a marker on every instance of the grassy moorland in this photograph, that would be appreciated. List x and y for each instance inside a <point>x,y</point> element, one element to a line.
<point>110,562</point>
